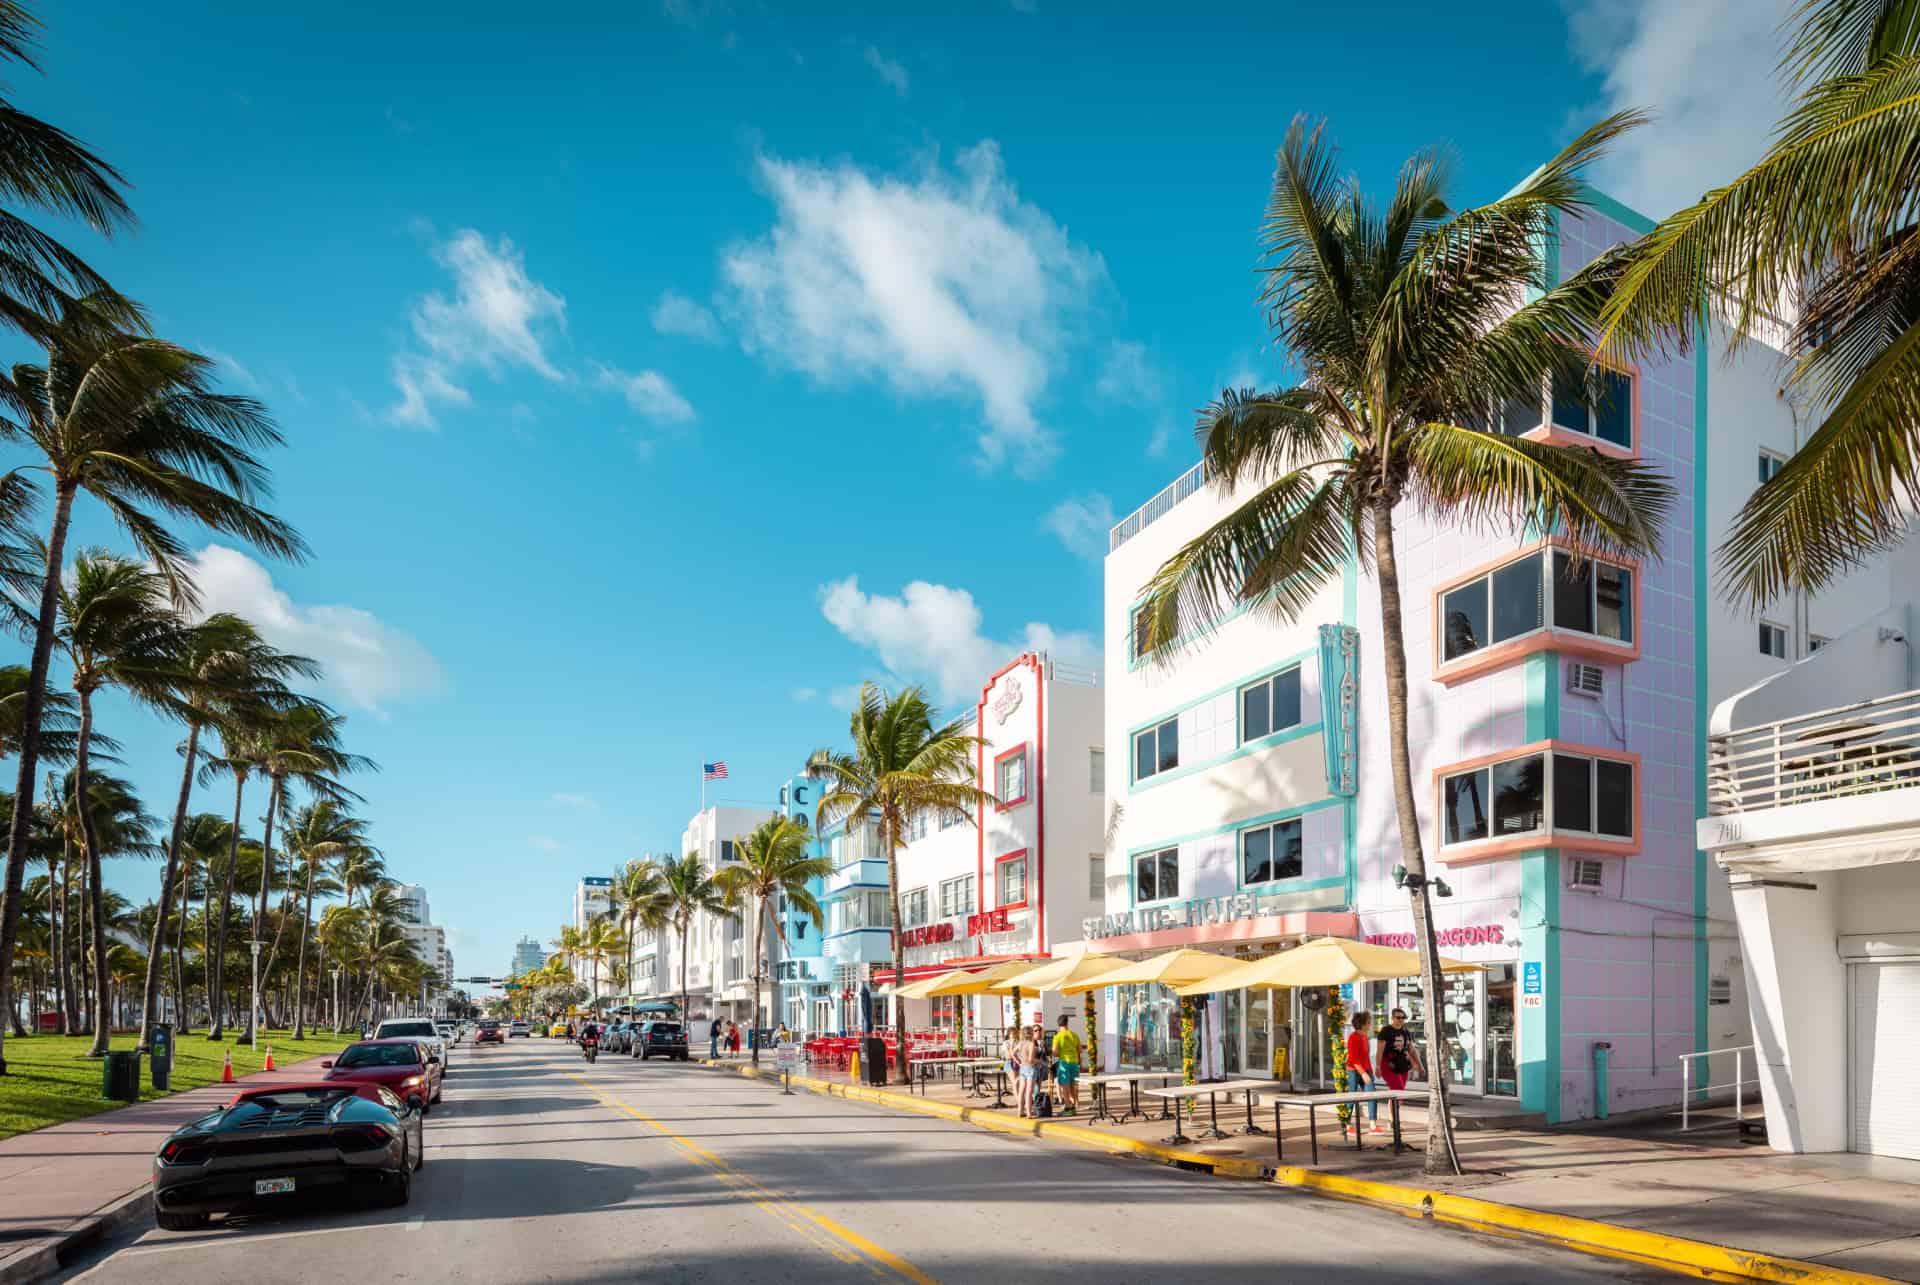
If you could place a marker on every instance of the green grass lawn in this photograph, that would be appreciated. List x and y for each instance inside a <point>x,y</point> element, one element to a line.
<point>49,1077</point>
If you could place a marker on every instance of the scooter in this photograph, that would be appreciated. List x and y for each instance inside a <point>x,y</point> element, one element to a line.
<point>591,1048</point>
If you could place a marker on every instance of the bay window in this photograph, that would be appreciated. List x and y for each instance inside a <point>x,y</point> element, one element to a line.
<point>1545,589</point>
<point>1565,403</point>
<point>1550,791</point>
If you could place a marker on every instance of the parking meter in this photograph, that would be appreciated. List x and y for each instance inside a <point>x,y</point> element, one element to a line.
<point>160,1053</point>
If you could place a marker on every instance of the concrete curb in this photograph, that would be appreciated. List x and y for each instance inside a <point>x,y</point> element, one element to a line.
<point>44,1259</point>
<point>1609,1240</point>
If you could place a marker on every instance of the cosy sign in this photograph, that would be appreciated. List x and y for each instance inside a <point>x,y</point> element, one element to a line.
<point>1478,935</point>
<point>927,935</point>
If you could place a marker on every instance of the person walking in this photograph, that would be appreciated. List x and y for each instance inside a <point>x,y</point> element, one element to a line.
<point>1360,1070</point>
<point>733,1038</point>
<point>713,1041</point>
<point>1066,1067</point>
<point>1026,1061</point>
<point>1399,1055</point>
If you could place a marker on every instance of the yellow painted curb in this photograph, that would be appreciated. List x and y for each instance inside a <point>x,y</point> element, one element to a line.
<point>1585,1235</point>
<point>1675,1253</point>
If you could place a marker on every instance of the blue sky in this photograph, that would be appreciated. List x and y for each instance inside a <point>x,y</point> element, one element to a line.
<point>654,374</point>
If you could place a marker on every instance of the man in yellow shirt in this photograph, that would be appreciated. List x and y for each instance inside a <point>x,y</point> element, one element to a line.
<point>1066,1067</point>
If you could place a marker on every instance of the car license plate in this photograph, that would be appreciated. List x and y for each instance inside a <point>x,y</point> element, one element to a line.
<point>272,1186</point>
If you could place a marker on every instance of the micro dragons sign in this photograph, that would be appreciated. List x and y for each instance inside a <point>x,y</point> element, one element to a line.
<point>1478,935</point>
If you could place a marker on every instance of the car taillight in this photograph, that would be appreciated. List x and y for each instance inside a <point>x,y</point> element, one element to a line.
<point>361,1137</point>
<point>184,1153</point>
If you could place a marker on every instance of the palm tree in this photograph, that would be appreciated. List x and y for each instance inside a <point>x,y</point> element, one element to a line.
<point>1827,219</point>
<point>600,942</point>
<point>118,630</point>
<point>228,670</point>
<point>690,891</point>
<point>567,947</point>
<point>131,421</point>
<point>773,862</point>
<point>639,894</point>
<point>321,832</point>
<point>112,824</point>
<point>197,848</point>
<point>904,764</point>
<point>240,757</point>
<point>1404,330</point>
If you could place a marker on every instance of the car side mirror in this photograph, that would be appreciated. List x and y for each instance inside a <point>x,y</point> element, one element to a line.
<point>433,1059</point>
<point>327,1065</point>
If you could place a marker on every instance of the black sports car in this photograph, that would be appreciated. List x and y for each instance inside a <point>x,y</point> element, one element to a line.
<point>269,1147</point>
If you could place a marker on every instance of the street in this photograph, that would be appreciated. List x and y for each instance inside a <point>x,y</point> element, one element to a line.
<point>540,1167</point>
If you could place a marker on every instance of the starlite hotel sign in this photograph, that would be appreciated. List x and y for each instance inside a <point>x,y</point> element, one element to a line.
<point>1181,914</point>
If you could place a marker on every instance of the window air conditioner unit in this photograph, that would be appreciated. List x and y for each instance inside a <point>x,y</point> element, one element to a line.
<point>1586,680</point>
<point>1584,874</point>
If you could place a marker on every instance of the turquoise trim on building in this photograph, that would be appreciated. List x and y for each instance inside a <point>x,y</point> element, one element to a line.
<point>1265,671</point>
<point>1350,823</point>
<point>1701,714</point>
<point>1540,916</point>
<point>1281,737</point>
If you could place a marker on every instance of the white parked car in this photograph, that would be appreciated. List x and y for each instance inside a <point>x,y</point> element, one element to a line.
<point>417,1028</point>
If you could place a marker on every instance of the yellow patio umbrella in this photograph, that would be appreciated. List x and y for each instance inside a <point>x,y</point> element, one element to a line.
<point>1327,961</point>
<point>964,982</point>
<point>1057,974</point>
<point>1176,968</point>
<point>919,989</point>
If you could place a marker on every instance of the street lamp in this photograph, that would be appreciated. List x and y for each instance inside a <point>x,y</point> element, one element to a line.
<point>336,997</point>
<point>253,1018</point>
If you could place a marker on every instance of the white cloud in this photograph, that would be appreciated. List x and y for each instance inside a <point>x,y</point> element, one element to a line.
<point>805,694</point>
<point>942,284</point>
<point>1129,376</point>
<point>584,802</point>
<point>649,392</point>
<point>932,633</point>
<point>544,843</point>
<point>497,318</point>
<point>1161,439</point>
<point>844,697</point>
<point>1081,522</point>
<point>1705,67</point>
<point>890,72</point>
<point>675,314</point>
<point>367,661</point>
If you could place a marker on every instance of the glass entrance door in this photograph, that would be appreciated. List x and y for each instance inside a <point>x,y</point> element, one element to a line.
<point>1257,1040</point>
<point>1460,1031</point>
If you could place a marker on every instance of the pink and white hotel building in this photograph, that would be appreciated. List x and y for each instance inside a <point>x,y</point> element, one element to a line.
<point>1557,730</point>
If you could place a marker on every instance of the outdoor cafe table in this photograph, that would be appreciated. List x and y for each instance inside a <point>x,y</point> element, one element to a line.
<point>1212,1093</point>
<point>929,1067</point>
<point>1313,1101</point>
<point>1132,1080</point>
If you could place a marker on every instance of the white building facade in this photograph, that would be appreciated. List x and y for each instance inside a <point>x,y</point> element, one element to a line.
<point>719,975</point>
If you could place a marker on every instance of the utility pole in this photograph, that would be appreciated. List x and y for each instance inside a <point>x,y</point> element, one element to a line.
<point>253,1017</point>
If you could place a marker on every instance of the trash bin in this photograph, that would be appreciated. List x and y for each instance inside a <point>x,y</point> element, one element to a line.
<point>873,1059</point>
<point>160,1054</point>
<point>120,1076</point>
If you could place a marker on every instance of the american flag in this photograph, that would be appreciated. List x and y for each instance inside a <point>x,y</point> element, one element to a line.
<point>714,771</point>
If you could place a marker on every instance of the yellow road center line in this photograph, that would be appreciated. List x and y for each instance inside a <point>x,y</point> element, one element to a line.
<point>773,1203</point>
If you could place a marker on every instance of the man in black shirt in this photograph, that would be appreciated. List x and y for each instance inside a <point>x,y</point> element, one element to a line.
<point>1398,1054</point>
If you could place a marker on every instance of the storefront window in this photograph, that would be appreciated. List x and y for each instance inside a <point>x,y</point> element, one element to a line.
<point>1497,1046</point>
<point>1148,1018</point>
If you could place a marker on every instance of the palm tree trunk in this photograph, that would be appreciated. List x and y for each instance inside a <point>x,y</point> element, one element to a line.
<point>759,927</point>
<point>150,995</point>
<point>96,896</point>
<point>69,981</point>
<point>899,950</point>
<point>217,964</point>
<point>1440,1156</point>
<point>275,800</point>
<point>300,969</point>
<point>260,902</point>
<point>686,1013</point>
<point>20,829</point>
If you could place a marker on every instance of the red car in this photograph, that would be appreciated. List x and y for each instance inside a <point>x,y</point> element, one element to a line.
<point>407,1067</point>
<point>490,1033</point>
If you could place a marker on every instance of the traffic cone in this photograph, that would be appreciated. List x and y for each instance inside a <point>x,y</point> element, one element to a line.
<point>226,1072</point>
<point>269,1066</point>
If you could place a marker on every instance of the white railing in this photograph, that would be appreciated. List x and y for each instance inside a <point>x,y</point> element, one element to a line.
<point>1738,1083</point>
<point>1158,507</point>
<point>1863,748</point>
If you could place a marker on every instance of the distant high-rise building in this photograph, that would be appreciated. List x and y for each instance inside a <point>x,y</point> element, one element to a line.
<point>528,955</point>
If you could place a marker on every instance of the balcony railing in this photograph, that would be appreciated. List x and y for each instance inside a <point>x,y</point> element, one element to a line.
<point>1866,748</point>
<point>1158,507</point>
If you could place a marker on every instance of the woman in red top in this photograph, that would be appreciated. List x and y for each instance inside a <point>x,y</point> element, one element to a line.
<point>1360,1069</point>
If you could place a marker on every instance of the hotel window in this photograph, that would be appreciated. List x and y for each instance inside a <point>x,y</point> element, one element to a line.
<point>1546,589</point>
<point>1270,705</point>
<point>1770,466</point>
<point>1773,641</point>
<point>1010,776</point>
<point>917,827</point>
<point>1010,876</point>
<point>1156,875</point>
<point>1156,750</point>
<point>951,817</point>
<point>1097,877</point>
<point>726,850</point>
<point>956,897</point>
<point>1097,771</point>
<point>1575,793</point>
<point>913,908</point>
<point>1270,853</point>
<point>1564,403</point>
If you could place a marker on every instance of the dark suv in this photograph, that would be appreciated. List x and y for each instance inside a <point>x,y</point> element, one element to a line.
<point>666,1038</point>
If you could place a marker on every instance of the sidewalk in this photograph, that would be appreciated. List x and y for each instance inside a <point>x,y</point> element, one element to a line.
<point>69,1181</point>
<point>1811,1218</point>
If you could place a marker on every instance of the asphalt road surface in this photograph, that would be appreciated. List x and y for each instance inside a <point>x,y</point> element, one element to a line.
<point>542,1168</point>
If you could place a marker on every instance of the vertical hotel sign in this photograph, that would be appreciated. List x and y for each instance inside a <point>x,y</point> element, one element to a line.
<point>1340,706</point>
